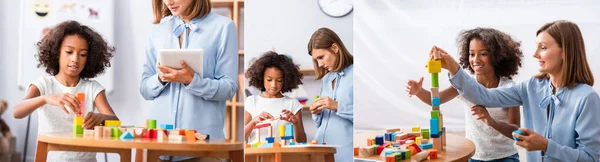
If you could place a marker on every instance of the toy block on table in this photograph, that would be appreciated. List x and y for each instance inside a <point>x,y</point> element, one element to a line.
<point>417,148</point>
<point>161,135</point>
<point>98,131</point>
<point>434,125</point>
<point>166,126</point>
<point>418,140</point>
<point>390,158</point>
<point>77,125</point>
<point>422,156</point>
<point>314,142</point>
<point>138,132</point>
<point>126,136</point>
<point>356,151</point>
<point>416,129</point>
<point>370,141</point>
<point>400,136</point>
<point>116,132</point>
<point>407,153</point>
<point>426,146</point>
<point>281,130</point>
<point>425,133</point>
<point>392,130</point>
<point>433,154</point>
<point>289,130</point>
<point>150,124</point>
<point>388,136</point>
<point>190,135</point>
<point>365,151</point>
<point>434,66</point>
<point>176,137</point>
<point>435,101</point>
<point>270,131</point>
<point>424,141</point>
<point>434,80</point>
<point>437,143</point>
<point>379,140</point>
<point>112,123</point>
<point>88,133</point>
<point>441,121</point>
<point>414,134</point>
<point>201,136</point>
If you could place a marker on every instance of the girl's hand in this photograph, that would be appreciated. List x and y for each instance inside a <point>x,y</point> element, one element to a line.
<point>448,62</point>
<point>324,102</point>
<point>62,101</point>
<point>262,117</point>
<point>483,115</point>
<point>531,141</point>
<point>289,116</point>
<point>413,87</point>
<point>184,75</point>
<point>92,119</point>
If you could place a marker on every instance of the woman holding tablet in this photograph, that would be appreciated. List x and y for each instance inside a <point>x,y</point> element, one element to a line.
<point>183,97</point>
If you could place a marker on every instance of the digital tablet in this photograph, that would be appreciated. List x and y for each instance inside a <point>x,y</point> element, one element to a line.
<point>172,58</point>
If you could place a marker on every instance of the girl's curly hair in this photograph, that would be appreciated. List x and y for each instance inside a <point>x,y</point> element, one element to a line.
<point>290,71</point>
<point>505,51</point>
<point>99,52</point>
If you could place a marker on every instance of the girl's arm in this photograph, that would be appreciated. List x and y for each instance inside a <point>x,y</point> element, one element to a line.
<point>248,124</point>
<point>33,101</point>
<point>105,112</point>
<point>299,133</point>
<point>445,95</point>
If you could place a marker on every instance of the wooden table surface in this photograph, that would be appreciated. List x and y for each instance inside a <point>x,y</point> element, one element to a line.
<point>458,148</point>
<point>65,141</point>
<point>291,154</point>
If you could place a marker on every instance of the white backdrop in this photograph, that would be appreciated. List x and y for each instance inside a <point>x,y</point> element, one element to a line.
<point>393,38</point>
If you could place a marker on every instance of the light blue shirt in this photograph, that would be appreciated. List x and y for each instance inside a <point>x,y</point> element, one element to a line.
<point>201,104</point>
<point>572,127</point>
<point>336,128</point>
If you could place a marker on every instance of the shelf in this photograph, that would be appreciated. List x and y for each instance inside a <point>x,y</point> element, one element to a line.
<point>307,72</point>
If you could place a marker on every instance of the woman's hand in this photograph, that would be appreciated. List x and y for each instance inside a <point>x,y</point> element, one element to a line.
<point>531,141</point>
<point>262,117</point>
<point>289,116</point>
<point>323,102</point>
<point>448,62</point>
<point>483,115</point>
<point>184,75</point>
<point>64,100</point>
<point>413,87</point>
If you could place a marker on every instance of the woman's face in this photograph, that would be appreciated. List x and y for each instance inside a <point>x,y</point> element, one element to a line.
<point>326,58</point>
<point>273,81</point>
<point>480,58</point>
<point>549,54</point>
<point>177,7</point>
<point>73,55</point>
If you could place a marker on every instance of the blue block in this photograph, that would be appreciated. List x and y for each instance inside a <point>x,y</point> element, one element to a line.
<point>426,146</point>
<point>289,130</point>
<point>434,127</point>
<point>126,135</point>
<point>517,132</point>
<point>166,126</point>
<point>292,143</point>
<point>287,137</point>
<point>388,136</point>
<point>379,140</point>
<point>396,145</point>
<point>435,101</point>
<point>267,145</point>
<point>393,136</point>
<point>435,135</point>
<point>270,139</point>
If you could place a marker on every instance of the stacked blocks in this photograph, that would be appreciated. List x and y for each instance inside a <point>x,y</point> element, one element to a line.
<point>77,128</point>
<point>436,130</point>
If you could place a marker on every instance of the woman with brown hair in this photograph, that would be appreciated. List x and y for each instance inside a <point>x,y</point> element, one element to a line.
<point>559,105</point>
<point>183,97</point>
<point>333,111</point>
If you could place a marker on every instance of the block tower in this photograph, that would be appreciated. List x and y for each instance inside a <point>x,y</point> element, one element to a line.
<point>437,129</point>
<point>78,119</point>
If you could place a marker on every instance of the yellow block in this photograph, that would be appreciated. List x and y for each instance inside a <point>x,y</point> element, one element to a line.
<point>434,66</point>
<point>112,123</point>
<point>441,125</point>
<point>416,129</point>
<point>78,120</point>
<point>418,140</point>
<point>281,130</point>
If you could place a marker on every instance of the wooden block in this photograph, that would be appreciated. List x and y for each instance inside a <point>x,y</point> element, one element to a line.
<point>190,135</point>
<point>392,130</point>
<point>441,122</point>
<point>416,129</point>
<point>107,132</point>
<point>415,134</point>
<point>401,135</point>
<point>433,154</point>
<point>161,135</point>
<point>435,107</point>
<point>434,125</point>
<point>78,120</point>
<point>437,143</point>
<point>88,133</point>
<point>422,156</point>
<point>201,136</point>
<point>435,92</point>
<point>153,133</point>
<point>418,140</point>
<point>434,80</point>
<point>111,123</point>
<point>98,131</point>
<point>281,130</point>
<point>270,129</point>
<point>434,66</point>
<point>424,141</point>
<point>435,101</point>
<point>355,151</point>
<point>150,124</point>
<point>314,142</point>
<point>437,55</point>
<point>176,137</point>
<point>139,132</point>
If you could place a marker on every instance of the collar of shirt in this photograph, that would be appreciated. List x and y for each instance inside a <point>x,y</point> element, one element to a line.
<point>551,97</point>
<point>194,25</point>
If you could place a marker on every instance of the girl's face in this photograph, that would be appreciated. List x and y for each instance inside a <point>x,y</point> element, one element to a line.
<point>177,7</point>
<point>273,81</point>
<point>480,58</point>
<point>326,58</point>
<point>73,55</point>
<point>549,54</point>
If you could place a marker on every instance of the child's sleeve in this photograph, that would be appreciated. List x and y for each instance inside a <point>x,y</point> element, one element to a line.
<point>96,89</point>
<point>41,84</point>
<point>249,105</point>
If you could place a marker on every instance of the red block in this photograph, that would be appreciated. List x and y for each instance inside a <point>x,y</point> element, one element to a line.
<point>146,134</point>
<point>356,151</point>
<point>433,154</point>
<point>390,158</point>
<point>153,133</point>
<point>262,125</point>
<point>380,148</point>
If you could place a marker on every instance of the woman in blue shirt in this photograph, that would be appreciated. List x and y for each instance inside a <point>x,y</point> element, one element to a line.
<point>333,111</point>
<point>560,108</point>
<point>183,97</point>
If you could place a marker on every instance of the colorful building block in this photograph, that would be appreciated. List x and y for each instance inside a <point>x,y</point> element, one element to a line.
<point>407,153</point>
<point>379,140</point>
<point>424,141</point>
<point>161,135</point>
<point>190,135</point>
<point>418,140</point>
<point>116,132</point>
<point>166,126</point>
<point>281,130</point>
<point>426,146</point>
<point>176,138</point>
<point>289,130</point>
<point>435,92</point>
<point>112,123</point>
<point>434,66</point>
<point>422,156</point>
<point>425,133</point>
<point>435,114</point>
<point>434,125</point>
<point>416,129</point>
<point>435,101</point>
<point>433,154</point>
<point>98,132</point>
<point>126,136</point>
<point>517,132</point>
<point>388,136</point>
<point>81,98</point>
<point>150,124</point>
<point>392,130</point>
<point>434,80</point>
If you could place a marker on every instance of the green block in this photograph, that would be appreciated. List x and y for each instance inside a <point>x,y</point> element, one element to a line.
<point>116,132</point>
<point>435,82</point>
<point>77,129</point>
<point>425,133</point>
<point>435,114</point>
<point>151,124</point>
<point>406,154</point>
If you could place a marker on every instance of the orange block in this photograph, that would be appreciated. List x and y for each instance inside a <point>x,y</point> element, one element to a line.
<point>369,142</point>
<point>356,151</point>
<point>190,135</point>
<point>433,154</point>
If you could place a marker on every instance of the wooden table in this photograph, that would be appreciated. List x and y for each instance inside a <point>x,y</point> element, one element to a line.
<point>458,148</point>
<point>290,154</point>
<point>213,148</point>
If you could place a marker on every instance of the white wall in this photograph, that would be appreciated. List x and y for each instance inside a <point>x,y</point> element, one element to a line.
<point>393,39</point>
<point>132,26</point>
<point>287,27</point>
